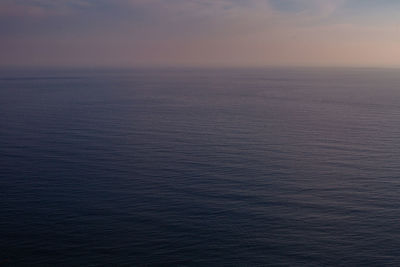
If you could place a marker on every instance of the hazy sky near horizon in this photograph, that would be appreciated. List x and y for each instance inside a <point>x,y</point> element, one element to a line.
<point>199,32</point>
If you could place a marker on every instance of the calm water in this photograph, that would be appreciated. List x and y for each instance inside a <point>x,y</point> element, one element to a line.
<point>200,167</point>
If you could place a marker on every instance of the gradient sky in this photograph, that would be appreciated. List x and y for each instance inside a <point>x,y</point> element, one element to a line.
<point>199,32</point>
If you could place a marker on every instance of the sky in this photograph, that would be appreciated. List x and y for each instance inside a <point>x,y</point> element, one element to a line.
<point>130,33</point>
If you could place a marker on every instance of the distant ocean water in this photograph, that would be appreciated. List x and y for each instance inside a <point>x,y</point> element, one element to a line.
<point>234,167</point>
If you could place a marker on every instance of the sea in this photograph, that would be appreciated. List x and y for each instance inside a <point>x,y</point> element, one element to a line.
<point>200,167</point>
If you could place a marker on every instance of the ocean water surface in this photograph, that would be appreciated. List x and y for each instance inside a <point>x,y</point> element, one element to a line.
<point>199,167</point>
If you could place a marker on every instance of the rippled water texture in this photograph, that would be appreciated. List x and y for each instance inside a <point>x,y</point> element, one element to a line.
<point>200,167</point>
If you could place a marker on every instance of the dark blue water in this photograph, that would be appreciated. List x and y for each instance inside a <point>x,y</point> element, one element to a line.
<point>200,167</point>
